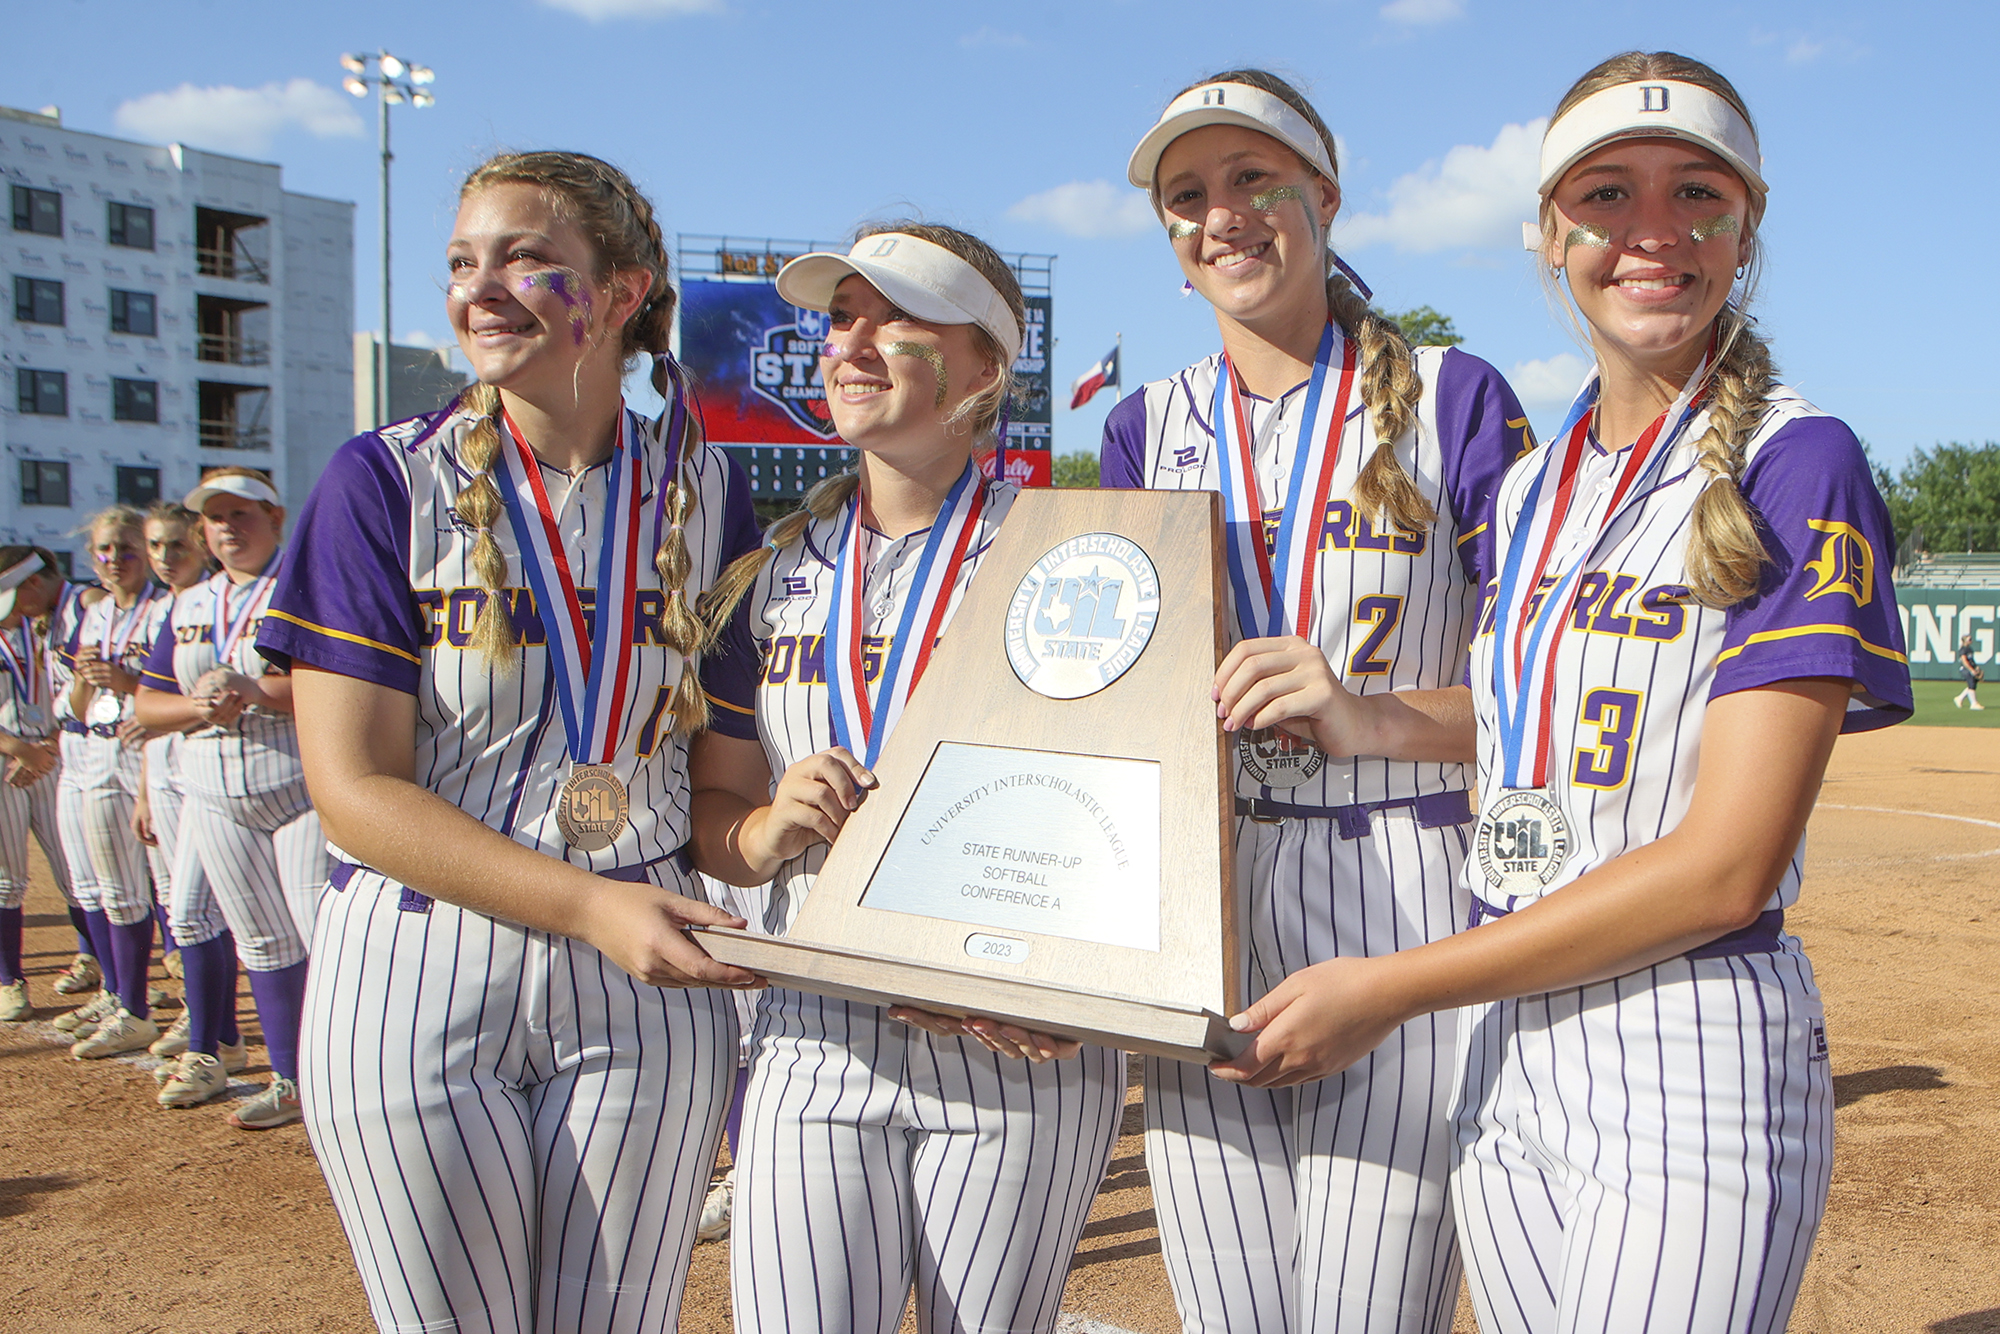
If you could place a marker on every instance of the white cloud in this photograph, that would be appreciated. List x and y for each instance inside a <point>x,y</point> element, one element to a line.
<point>992,37</point>
<point>1549,384</point>
<point>240,120</point>
<point>599,10</point>
<point>1473,197</point>
<point>1088,208</point>
<point>1423,13</point>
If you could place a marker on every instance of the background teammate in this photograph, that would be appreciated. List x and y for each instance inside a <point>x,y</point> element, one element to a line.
<point>876,1155</point>
<point>1689,609</point>
<point>247,833</point>
<point>489,614</point>
<point>1359,471</point>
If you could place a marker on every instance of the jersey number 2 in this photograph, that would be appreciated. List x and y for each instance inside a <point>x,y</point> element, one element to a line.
<point>1384,609</point>
<point>1615,715</point>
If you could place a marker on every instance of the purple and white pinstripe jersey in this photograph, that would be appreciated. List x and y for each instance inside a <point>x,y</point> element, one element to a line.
<point>786,613</point>
<point>378,584</point>
<point>1395,610</point>
<point>257,753</point>
<point>1640,661</point>
<point>65,628</point>
<point>90,765</point>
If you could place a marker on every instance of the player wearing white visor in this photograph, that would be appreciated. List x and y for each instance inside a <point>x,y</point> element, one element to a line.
<point>1356,474</point>
<point>876,1153</point>
<point>1689,609</point>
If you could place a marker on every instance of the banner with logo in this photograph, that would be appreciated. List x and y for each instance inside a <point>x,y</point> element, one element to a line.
<point>1935,619</point>
<point>755,361</point>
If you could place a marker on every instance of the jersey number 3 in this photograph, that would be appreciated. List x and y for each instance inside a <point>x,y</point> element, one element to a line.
<point>1615,715</point>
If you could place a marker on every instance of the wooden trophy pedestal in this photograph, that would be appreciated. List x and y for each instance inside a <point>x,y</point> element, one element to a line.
<point>1055,855</point>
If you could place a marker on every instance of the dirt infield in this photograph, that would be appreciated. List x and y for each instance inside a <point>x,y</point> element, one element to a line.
<point>124,1217</point>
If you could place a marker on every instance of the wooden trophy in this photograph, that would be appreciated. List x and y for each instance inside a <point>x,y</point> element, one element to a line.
<point>1050,844</point>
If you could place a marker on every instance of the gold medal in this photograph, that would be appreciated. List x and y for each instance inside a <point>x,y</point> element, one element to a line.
<point>593,808</point>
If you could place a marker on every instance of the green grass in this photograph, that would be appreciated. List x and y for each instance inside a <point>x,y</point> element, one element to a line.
<point>1934,707</point>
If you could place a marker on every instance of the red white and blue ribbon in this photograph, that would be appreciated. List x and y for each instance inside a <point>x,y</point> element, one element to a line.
<point>589,661</point>
<point>1529,619</point>
<point>119,630</point>
<point>229,630</point>
<point>1274,588</point>
<point>18,656</point>
<point>863,718</point>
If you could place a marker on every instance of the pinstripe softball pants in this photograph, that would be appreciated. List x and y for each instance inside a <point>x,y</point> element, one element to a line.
<point>1647,1153</point>
<point>875,1155</point>
<point>107,861</point>
<point>263,860</point>
<point>1323,1206</point>
<point>517,1134</point>
<point>25,810</point>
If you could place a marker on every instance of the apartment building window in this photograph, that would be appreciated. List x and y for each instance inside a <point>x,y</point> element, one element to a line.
<point>38,211</point>
<point>138,487</point>
<point>134,313</point>
<point>38,300</point>
<point>44,483</point>
<point>131,225</point>
<point>41,393</point>
<point>135,400</point>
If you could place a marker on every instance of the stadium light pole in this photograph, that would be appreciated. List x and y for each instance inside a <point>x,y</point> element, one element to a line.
<point>395,82</point>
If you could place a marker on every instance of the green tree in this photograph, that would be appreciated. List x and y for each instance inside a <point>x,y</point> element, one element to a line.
<point>1077,469</point>
<point>1424,327</point>
<point>1948,498</point>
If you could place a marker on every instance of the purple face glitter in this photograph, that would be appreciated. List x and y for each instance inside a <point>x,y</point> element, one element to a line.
<point>575,297</point>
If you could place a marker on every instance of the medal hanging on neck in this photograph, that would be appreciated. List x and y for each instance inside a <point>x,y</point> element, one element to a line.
<point>1273,588</point>
<point>107,706</point>
<point>228,631</point>
<point>589,663</point>
<point>863,718</point>
<point>1523,838</point>
<point>23,664</point>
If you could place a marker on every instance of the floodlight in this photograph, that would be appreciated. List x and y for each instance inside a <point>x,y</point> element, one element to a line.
<point>422,99</point>
<point>354,64</point>
<point>355,86</point>
<point>392,66</point>
<point>422,74</point>
<point>393,96</point>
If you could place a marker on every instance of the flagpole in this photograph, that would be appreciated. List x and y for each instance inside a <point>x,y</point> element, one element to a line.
<point>1119,388</point>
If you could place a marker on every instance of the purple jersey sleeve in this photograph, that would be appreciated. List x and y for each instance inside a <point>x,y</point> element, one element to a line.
<point>1825,607</point>
<point>729,670</point>
<point>1482,429</point>
<point>158,671</point>
<point>1121,460</point>
<point>343,601</point>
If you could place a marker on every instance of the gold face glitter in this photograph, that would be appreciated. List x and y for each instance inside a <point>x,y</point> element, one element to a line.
<point>925,352</point>
<point>1180,229</point>
<point>1707,229</point>
<point>1586,233</point>
<point>1277,195</point>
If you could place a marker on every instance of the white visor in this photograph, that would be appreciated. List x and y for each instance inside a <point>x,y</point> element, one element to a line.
<point>1226,104</point>
<point>1668,110</point>
<point>13,577</point>
<point>235,484</point>
<point>915,275</point>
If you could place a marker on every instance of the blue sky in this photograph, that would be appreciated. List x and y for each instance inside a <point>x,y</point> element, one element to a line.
<point>765,119</point>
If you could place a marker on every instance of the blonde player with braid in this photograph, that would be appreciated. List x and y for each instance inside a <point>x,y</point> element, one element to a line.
<point>879,1155</point>
<point>515,1077</point>
<point>1689,608</point>
<point>1356,474</point>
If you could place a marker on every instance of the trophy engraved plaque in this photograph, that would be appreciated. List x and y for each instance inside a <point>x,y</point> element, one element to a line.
<point>1050,843</point>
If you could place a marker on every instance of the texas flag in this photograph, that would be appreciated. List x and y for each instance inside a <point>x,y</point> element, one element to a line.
<point>1087,384</point>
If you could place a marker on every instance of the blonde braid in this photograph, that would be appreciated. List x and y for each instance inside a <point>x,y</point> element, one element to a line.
<point>479,504</point>
<point>1725,555</point>
<point>1391,388</point>
<point>822,502</point>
